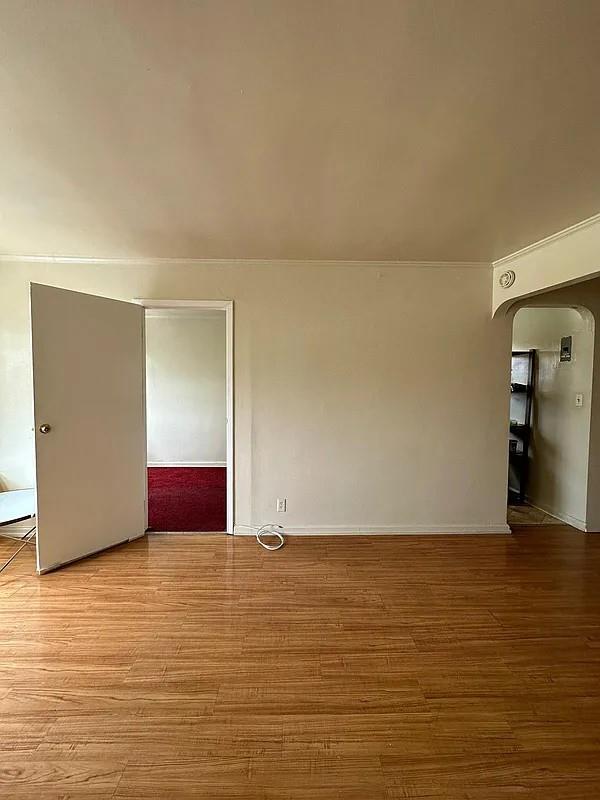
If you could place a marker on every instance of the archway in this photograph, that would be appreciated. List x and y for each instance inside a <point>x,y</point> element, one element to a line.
<point>550,414</point>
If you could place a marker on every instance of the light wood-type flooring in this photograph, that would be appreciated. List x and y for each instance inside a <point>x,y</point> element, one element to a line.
<point>524,514</point>
<point>341,668</point>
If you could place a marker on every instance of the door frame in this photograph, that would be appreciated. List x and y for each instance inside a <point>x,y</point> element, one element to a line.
<point>227,307</point>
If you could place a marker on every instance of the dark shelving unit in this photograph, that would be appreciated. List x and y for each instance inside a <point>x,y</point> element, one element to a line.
<point>522,376</point>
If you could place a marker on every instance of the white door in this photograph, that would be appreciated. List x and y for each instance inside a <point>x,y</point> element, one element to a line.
<point>90,429</point>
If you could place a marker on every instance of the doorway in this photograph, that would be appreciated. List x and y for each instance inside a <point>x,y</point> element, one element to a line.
<point>90,443</point>
<point>189,415</point>
<point>549,426</point>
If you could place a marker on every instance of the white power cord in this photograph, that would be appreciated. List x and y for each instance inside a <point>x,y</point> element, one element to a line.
<point>270,529</point>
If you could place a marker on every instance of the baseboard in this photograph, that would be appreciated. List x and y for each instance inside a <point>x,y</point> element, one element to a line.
<point>574,522</point>
<point>380,530</point>
<point>187,463</point>
<point>18,529</point>
<point>186,533</point>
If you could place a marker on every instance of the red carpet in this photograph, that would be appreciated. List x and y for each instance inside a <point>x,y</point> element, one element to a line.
<point>187,498</point>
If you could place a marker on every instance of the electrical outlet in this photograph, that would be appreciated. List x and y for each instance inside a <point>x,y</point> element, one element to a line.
<point>579,400</point>
<point>282,504</point>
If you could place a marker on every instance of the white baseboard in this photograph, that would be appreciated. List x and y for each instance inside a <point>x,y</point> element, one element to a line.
<point>380,530</point>
<point>19,528</point>
<point>574,522</point>
<point>186,533</point>
<point>187,463</point>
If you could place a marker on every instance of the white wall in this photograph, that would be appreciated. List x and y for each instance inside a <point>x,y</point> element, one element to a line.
<point>371,396</point>
<point>560,434</point>
<point>185,388</point>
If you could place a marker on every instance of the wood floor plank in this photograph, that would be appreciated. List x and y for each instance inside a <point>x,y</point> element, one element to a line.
<point>359,668</point>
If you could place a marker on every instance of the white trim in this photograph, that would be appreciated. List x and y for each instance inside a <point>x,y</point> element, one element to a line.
<point>187,463</point>
<point>381,530</point>
<point>284,262</point>
<point>208,314</point>
<point>221,305</point>
<point>145,414</point>
<point>585,223</point>
<point>230,412</point>
<point>227,307</point>
<point>574,522</point>
<point>185,533</point>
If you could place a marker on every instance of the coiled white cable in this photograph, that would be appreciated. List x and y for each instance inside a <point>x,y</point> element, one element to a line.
<point>270,530</point>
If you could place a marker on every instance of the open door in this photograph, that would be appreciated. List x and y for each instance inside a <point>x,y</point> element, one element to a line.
<point>90,428</point>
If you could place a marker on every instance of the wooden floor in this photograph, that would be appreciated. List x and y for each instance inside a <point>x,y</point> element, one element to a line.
<point>346,668</point>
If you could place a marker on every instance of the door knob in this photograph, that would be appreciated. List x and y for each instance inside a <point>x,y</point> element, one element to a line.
<point>45,428</point>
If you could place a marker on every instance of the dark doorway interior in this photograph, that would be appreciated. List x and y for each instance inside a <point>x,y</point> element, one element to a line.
<point>187,498</point>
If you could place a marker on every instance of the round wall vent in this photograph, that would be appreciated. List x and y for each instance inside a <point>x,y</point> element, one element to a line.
<point>507,279</point>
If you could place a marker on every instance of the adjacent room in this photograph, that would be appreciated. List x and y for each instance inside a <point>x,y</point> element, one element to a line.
<point>186,419</point>
<point>551,387</point>
<point>300,399</point>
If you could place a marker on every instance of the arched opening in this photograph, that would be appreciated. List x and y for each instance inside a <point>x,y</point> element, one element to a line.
<point>550,414</point>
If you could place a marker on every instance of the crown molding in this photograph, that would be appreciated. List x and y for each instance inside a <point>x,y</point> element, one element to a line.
<point>224,262</point>
<point>541,243</point>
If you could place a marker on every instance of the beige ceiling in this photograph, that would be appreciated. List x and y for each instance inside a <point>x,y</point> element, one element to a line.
<point>409,129</point>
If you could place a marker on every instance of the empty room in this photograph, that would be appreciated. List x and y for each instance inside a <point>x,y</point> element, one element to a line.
<point>300,399</point>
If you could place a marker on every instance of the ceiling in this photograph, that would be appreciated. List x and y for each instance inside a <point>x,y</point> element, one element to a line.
<point>453,130</point>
